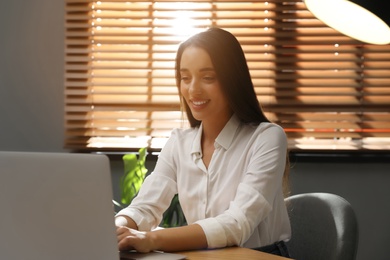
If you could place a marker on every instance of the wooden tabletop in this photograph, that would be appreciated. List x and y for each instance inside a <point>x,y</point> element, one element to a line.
<point>236,253</point>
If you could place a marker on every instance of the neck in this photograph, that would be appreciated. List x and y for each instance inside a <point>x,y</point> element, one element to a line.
<point>211,129</point>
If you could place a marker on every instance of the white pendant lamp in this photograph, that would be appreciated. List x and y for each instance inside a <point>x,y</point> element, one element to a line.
<point>364,20</point>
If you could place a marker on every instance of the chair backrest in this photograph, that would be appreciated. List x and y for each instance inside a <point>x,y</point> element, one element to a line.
<point>324,227</point>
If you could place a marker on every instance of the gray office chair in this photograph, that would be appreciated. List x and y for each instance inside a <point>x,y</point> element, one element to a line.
<point>324,227</point>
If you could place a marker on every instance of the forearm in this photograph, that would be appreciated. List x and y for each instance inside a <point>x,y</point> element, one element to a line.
<point>189,237</point>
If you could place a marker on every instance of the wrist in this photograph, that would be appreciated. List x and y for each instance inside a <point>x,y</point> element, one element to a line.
<point>154,241</point>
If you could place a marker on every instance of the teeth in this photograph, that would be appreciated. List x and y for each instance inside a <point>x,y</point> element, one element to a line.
<point>198,103</point>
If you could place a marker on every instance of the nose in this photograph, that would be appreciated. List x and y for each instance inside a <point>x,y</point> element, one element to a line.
<point>195,87</point>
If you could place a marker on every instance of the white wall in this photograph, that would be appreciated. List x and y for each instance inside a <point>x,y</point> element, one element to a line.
<point>31,118</point>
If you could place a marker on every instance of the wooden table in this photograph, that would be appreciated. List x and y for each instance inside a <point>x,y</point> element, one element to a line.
<point>231,253</point>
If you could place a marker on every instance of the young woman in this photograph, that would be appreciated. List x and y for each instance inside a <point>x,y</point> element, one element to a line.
<point>227,169</point>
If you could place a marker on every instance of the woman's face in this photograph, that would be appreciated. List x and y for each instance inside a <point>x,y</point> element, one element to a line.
<point>200,87</point>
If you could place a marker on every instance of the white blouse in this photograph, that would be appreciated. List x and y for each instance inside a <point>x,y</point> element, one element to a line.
<point>238,200</point>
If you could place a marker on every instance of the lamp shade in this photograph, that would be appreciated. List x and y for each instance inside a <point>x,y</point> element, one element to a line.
<point>363,20</point>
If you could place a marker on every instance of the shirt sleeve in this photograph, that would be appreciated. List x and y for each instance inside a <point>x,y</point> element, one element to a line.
<point>156,193</point>
<point>256,193</point>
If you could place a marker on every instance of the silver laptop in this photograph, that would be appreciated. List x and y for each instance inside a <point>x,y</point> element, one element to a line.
<point>58,206</point>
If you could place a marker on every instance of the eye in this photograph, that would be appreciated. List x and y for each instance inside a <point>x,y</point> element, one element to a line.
<point>185,78</point>
<point>209,78</point>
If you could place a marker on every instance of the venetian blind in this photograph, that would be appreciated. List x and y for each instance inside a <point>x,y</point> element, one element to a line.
<point>326,90</point>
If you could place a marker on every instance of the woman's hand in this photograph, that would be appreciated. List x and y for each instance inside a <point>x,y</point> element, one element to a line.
<point>129,239</point>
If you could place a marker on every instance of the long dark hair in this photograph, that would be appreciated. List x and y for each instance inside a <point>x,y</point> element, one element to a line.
<point>233,75</point>
<point>232,72</point>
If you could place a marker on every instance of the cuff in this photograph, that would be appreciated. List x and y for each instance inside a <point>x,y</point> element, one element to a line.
<point>215,234</point>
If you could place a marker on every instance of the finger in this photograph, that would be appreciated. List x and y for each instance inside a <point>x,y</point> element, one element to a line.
<point>121,237</point>
<point>126,243</point>
<point>121,230</point>
<point>124,234</point>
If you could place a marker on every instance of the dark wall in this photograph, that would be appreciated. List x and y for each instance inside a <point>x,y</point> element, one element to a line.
<point>31,75</point>
<point>364,183</point>
<point>31,119</point>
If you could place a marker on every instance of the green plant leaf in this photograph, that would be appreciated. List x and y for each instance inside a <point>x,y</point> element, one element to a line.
<point>134,175</point>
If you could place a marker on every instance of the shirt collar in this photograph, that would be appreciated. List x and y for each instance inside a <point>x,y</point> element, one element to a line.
<point>226,136</point>
<point>224,139</point>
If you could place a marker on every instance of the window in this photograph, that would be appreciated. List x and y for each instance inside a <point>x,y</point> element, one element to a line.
<point>327,91</point>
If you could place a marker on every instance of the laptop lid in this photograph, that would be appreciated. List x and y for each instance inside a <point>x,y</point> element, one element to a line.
<point>56,206</point>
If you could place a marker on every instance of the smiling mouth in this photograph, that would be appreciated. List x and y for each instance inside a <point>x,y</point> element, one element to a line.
<point>199,103</point>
